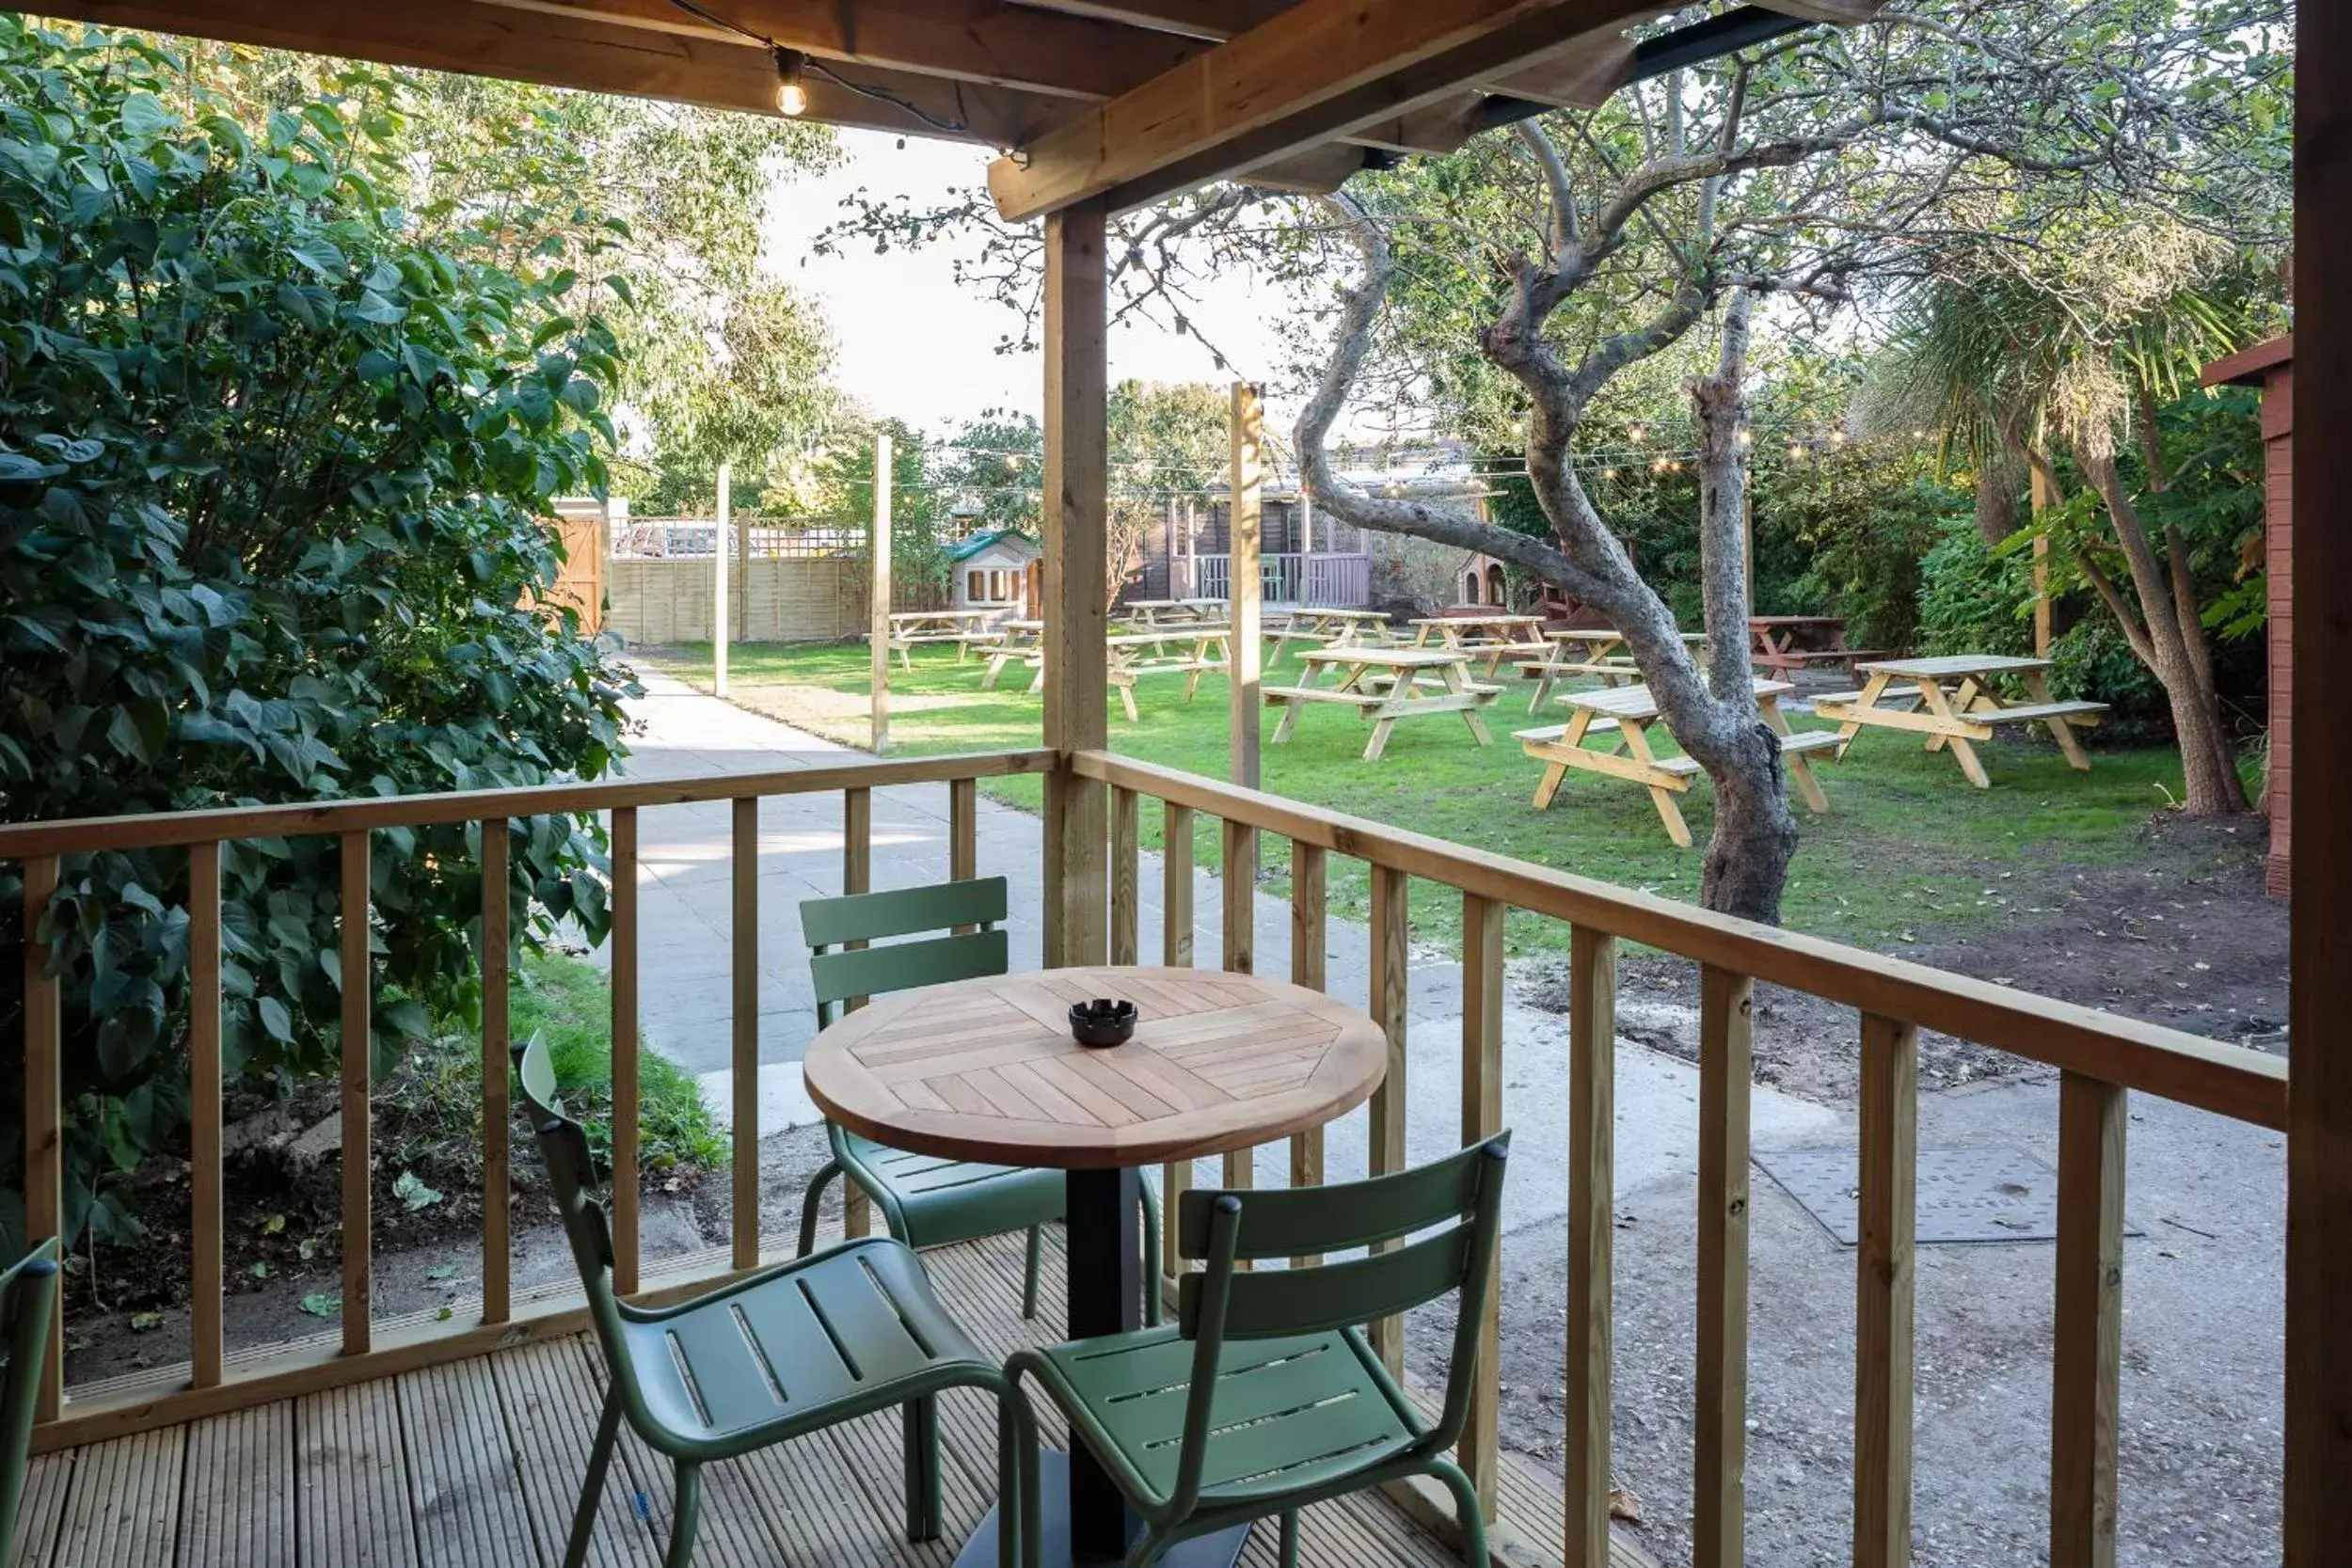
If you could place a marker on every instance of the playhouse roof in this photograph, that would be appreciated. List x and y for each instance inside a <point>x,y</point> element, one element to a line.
<point>964,549</point>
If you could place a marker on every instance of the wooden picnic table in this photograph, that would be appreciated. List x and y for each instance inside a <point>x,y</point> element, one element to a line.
<point>1333,628</point>
<point>1624,715</point>
<point>1786,644</point>
<point>1953,701</point>
<point>1126,658</point>
<point>911,628</point>
<point>1382,685</point>
<point>1584,651</point>
<point>1493,635</point>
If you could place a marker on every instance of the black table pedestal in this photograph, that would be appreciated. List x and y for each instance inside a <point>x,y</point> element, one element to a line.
<point>1084,1518</point>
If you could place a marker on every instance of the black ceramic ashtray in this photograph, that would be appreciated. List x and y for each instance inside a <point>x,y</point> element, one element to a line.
<point>1101,1021</point>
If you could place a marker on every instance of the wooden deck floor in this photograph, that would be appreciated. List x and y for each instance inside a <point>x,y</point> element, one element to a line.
<point>477,1463</point>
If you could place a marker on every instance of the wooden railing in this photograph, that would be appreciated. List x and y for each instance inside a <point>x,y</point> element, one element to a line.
<point>214,1380</point>
<point>2100,1055</point>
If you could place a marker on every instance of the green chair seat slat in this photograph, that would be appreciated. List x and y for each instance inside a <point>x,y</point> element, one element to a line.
<point>797,1347</point>
<point>861,1319</point>
<point>941,1202</point>
<point>1298,1221</point>
<point>1282,1452</point>
<point>731,1382</point>
<point>1334,1295</point>
<point>904,965</point>
<point>902,912</point>
<point>1120,1366</point>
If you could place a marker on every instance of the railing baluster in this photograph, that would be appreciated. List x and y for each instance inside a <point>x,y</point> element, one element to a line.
<point>2090,1336</point>
<point>1176,922</point>
<point>624,1062</point>
<point>743,1063</point>
<point>1592,1145</point>
<point>205,1334</point>
<point>44,1109</point>
<point>357,1046</point>
<point>963,832</point>
<point>1126,871</point>
<point>1719,1460</point>
<point>1309,946</point>
<point>1882,1294</point>
<point>1241,949</point>
<point>497,910</point>
<point>1481,1118</point>
<point>1389,926</point>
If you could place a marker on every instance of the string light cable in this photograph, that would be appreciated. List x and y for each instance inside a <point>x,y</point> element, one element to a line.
<point>794,66</point>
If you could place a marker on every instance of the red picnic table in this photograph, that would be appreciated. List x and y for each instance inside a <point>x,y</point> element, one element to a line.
<point>1786,644</point>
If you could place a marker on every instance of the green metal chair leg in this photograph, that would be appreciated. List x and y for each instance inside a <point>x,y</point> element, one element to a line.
<point>1028,1280</point>
<point>919,1421</point>
<point>690,1508</point>
<point>1150,1254</point>
<point>1290,1539</point>
<point>1467,1513</point>
<point>809,1202</point>
<point>592,1489</point>
<point>1025,1507</point>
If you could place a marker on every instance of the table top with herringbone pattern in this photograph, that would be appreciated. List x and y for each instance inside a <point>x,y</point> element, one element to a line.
<point>986,1070</point>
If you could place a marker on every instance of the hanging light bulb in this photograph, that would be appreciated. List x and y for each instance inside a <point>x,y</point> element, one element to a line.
<point>1747,437</point>
<point>1609,475</point>
<point>791,83</point>
<point>1635,433</point>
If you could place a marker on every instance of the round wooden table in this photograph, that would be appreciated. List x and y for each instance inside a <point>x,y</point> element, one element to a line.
<point>985,1070</point>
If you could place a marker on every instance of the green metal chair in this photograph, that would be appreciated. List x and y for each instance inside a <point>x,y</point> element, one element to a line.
<point>28,1297</point>
<point>787,1350</point>
<point>926,1201</point>
<point>1264,1395</point>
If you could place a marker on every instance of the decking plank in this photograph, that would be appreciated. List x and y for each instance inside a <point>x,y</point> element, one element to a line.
<point>45,1487</point>
<point>237,1503</point>
<point>462,1472</point>
<point>732,1529</point>
<point>551,1407</point>
<point>352,1480</point>
<point>123,1509</point>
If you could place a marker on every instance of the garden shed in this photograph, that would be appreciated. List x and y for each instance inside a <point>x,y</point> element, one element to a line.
<point>992,570</point>
<point>2271,367</point>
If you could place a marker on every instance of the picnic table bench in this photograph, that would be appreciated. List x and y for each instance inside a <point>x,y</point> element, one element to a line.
<point>914,629</point>
<point>1384,685</point>
<point>1125,659</point>
<point>1623,716</point>
<point>1953,700</point>
<point>1332,628</point>
<point>1579,651</point>
<point>1493,635</point>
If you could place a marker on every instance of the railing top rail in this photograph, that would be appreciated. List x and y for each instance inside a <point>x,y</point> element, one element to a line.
<point>160,830</point>
<point>2227,1080</point>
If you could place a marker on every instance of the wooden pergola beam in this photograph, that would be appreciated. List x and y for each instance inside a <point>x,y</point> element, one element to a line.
<point>973,41</point>
<point>1323,70</point>
<point>576,50</point>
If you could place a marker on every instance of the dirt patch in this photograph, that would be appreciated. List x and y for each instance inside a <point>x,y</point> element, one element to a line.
<point>2182,934</point>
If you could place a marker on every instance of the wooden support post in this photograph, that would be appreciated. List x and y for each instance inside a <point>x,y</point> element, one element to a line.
<point>744,1061</point>
<point>2044,497</point>
<point>878,598</point>
<point>1176,937</point>
<point>359,1147</point>
<point>718,583</point>
<point>1076,616</point>
<point>1390,926</point>
<point>1719,1458</point>
<point>742,623</point>
<point>1883,1304</point>
<point>44,1110</point>
<point>2318,1522</point>
<point>1244,539</point>
<point>497,993</point>
<point>1592,1198</point>
<point>2088,1359</point>
<point>1241,949</point>
<point>1309,950</point>
<point>626,1065</point>
<point>205,1347</point>
<point>1481,1118</point>
<point>964,830</point>
<point>1126,872</point>
<point>857,875</point>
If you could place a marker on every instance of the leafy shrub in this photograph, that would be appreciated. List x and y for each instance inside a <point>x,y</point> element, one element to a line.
<point>1973,599</point>
<point>271,488</point>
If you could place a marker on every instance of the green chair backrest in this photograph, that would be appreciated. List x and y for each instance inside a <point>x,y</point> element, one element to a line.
<point>571,1174</point>
<point>1458,1199</point>
<point>841,973</point>
<point>28,1295</point>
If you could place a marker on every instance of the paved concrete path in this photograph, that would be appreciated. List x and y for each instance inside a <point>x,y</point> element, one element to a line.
<point>686,901</point>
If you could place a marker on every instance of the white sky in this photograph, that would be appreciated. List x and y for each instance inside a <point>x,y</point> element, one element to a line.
<point>913,344</point>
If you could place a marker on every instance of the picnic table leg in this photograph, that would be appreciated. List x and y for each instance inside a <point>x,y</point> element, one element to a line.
<point>1871,691</point>
<point>1457,682</point>
<point>1549,785</point>
<point>1543,678</point>
<point>1933,695</point>
<point>1669,812</point>
<point>1037,682</point>
<point>1381,729</point>
<point>2038,684</point>
<point>1968,694</point>
<point>1127,700</point>
<point>1800,766</point>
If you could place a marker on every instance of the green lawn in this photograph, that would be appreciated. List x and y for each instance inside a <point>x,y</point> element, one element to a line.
<point>1907,843</point>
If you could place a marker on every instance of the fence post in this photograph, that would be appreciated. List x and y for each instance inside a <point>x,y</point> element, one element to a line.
<point>719,585</point>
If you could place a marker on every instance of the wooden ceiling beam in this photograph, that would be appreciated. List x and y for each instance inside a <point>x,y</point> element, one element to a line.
<point>578,50</point>
<point>1320,70</point>
<point>1214,21</point>
<point>973,41</point>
